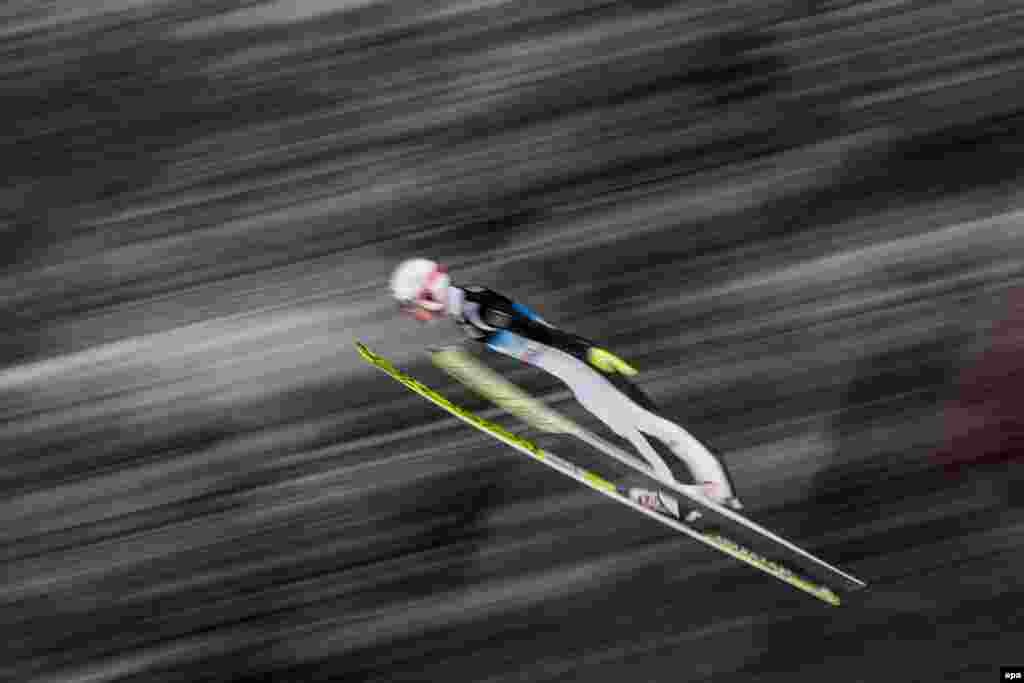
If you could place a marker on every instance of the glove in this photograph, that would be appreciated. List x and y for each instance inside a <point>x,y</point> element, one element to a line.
<point>606,361</point>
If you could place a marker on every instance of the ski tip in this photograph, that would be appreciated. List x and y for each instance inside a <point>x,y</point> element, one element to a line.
<point>363,350</point>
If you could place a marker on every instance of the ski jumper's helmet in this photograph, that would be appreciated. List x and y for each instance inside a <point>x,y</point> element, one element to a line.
<point>420,283</point>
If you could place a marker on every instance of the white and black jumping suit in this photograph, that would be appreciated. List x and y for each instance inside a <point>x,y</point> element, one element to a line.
<point>515,330</point>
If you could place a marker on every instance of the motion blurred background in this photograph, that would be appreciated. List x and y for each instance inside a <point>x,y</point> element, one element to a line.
<point>802,220</point>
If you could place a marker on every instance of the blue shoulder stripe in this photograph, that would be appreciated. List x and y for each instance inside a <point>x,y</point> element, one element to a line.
<point>507,342</point>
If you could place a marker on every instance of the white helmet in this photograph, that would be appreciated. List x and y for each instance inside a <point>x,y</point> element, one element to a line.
<point>420,282</point>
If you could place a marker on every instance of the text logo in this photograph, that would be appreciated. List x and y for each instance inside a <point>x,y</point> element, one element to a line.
<point>655,501</point>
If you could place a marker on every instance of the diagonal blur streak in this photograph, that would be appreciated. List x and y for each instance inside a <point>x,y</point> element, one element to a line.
<point>801,219</point>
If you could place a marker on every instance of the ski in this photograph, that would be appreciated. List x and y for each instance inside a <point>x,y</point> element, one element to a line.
<point>492,386</point>
<point>662,513</point>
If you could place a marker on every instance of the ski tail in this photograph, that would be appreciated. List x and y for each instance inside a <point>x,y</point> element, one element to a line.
<point>603,486</point>
<point>471,372</point>
<point>741,527</point>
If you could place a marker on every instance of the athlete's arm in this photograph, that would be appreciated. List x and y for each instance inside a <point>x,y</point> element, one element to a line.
<point>504,314</point>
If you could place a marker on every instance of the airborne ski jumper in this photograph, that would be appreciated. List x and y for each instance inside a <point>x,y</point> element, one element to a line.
<point>706,512</point>
<point>595,376</point>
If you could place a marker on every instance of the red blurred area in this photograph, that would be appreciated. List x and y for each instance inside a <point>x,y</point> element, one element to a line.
<point>985,421</point>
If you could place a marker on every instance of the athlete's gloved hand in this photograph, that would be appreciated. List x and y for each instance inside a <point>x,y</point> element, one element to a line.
<point>606,361</point>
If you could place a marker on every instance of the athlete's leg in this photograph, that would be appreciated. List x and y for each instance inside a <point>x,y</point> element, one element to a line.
<point>660,467</point>
<point>615,411</point>
<point>607,403</point>
<point>604,400</point>
<point>707,469</point>
<point>631,390</point>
